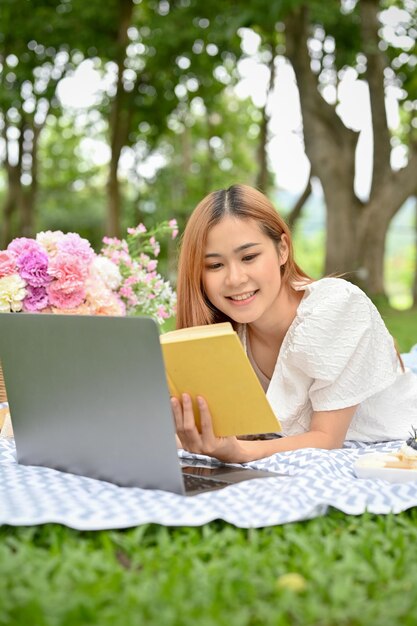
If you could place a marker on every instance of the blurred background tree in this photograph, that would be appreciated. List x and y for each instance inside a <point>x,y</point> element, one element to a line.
<point>166,121</point>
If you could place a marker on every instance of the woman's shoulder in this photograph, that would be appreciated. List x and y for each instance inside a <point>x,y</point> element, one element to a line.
<point>333,315</point>
<point>331,285</point>
<point>338,327</point>
<point>332,295</point>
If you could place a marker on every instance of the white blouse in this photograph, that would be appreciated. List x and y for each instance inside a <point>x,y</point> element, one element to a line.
<point>338,353</point>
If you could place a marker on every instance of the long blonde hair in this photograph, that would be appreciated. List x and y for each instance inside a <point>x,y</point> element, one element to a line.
<point>240,201</point>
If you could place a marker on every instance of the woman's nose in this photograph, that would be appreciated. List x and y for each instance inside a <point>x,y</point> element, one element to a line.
<point>235,275</point>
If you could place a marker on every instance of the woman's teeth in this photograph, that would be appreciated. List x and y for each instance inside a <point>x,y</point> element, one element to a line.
<point>243,296</point>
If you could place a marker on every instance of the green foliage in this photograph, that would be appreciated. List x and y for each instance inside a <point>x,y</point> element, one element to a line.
<point>355,571</point>
<point>72,185</point>
<point>205,149</point>
<point>399,271</point>
<point>309,252</point>
<point>402,325</point>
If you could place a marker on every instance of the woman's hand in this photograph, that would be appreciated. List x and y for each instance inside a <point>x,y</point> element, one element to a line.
<point>226,449</point>
<point>328,431</point>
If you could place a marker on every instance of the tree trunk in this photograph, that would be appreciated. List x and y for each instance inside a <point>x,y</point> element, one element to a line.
<point>375,221</point>
<point>341,234</point>
<point>376,63</point>
<point>113,199</point>
<point>263,171</point>
<point>13,194</point>
<point>11,204</point>
<point>372,276</point>
<point>330,147</point>
<point>118,123</point>
<point>355,232</point>
<point>295,213</point>
<point>415,259</point>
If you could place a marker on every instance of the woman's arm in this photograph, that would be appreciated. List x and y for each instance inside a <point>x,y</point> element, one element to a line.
<point>328,430</point>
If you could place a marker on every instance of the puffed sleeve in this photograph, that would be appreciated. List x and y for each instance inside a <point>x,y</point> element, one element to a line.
<point>343,346</point>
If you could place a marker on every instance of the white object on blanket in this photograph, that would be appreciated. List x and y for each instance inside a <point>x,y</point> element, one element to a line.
<point>373,466</point>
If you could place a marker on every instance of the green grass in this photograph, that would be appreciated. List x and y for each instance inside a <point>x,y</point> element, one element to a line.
<point>402,325</point>
<point>349,571</point>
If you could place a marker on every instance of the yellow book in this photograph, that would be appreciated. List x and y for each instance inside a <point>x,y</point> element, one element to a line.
<point>210,361</point>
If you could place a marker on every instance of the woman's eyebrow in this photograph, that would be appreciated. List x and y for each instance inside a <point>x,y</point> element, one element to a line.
<point>245,246</point>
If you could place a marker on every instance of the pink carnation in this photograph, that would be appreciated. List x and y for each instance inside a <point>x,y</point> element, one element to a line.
<point>64,299</point>
<point>76,246</point>
<point>36,299</point>
<point>22,245</point>
<point>67,291</point>
<point>7,263</point>
<point>33,267</point>
<point>69,271</point>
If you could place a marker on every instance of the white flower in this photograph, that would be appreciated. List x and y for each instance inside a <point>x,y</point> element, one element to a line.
<point>107,271</point>
<point>48,240</point>
<point>12,293</point>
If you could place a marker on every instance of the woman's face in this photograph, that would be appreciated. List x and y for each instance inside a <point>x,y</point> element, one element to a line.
<point>242,269</point>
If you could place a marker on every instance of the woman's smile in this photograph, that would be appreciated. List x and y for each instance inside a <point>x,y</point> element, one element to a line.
<point>243,298</point>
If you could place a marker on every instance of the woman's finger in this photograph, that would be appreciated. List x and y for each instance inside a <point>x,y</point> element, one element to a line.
<point>206,423</point>
<point>186,427</point>
<point>177,413</point>
<point>180,437</point>
<point>188,414</point>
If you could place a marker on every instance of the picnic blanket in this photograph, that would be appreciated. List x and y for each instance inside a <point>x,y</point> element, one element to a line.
<point>313,480</point>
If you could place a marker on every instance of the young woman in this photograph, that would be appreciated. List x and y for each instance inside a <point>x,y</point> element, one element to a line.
<point>319,348</point>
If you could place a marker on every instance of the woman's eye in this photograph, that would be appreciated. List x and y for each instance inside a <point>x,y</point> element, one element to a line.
<point>249,257</point>
<point>214,266</point>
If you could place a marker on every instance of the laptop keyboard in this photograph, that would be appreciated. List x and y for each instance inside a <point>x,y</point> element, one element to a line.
<point>199,483</point>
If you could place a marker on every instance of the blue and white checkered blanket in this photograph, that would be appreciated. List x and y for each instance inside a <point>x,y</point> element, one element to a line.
<point>314,481</point>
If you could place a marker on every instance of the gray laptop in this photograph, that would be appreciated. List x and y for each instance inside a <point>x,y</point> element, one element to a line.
<point>88,395</point>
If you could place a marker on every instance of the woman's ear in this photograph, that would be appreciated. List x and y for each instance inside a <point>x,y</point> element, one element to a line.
<point>283,249</point>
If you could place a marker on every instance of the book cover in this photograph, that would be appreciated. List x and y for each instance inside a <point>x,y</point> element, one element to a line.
<point>210,361</point>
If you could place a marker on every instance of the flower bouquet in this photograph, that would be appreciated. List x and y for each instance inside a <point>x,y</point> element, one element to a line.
<point>60,273</point>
